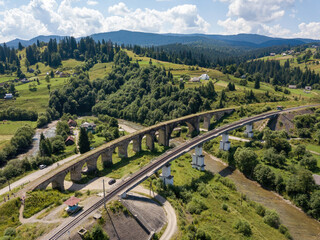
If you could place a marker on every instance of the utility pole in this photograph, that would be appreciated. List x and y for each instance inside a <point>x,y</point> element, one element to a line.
<point>104,195</point>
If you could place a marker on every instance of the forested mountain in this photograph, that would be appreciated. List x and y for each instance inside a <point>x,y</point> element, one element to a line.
<point>149,39</point>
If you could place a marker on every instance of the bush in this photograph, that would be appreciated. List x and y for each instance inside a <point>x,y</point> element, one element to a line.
<point>272,218</point>
<point>264,176</point>
<point>224,207</point>
<point>10,231</point>
<point>243,227</point>
<point>260,210</point>
<point>196,206</point>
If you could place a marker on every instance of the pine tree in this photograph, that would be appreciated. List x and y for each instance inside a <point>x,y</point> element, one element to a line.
<point>257,83</point>
<point>84,143</point>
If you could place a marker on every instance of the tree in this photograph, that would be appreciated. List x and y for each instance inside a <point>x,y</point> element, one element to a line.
<point>63,129</point>
<point>264,176</point>
<point>58,145</point>
<point>257,83</point>
<point>246,160</point>
<point>84,143</point>
<point>271,157</point>
<point>271,218</point>
<point>299,151</point>
<point>309,163</point>
<point>300,183</point>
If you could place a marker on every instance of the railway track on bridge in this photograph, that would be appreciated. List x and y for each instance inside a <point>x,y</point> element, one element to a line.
<point>160,161</point>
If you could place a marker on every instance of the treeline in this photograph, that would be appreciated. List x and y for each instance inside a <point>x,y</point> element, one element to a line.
<point>273,72</point>
<point>202,54</point>
<point>9,61</point>
<point>18,114</point>
<point>67,48</point>
<point>19,143</point>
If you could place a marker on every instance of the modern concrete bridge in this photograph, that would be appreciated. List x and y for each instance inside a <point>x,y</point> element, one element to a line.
<point>163,130</point>
<point>164,160</point>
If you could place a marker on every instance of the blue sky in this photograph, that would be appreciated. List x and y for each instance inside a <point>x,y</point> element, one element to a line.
<point>278,18</point>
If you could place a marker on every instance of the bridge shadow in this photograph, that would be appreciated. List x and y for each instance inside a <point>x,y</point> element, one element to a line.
<point>226,171</point>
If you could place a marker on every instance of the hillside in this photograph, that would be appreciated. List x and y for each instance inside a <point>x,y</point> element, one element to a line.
<point>148,39</point>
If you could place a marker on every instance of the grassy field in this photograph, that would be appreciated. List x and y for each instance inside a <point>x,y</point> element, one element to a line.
<point>9,215</point>
<point>220,206</point>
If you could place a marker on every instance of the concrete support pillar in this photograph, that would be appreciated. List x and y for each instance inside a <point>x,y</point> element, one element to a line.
<point>58,182</point>
<point>163,137</point>
<point>75,173</point>
<point>206,122</point>
<point>92,164</point>
<point>166,175</point>
<point>150,141</point>
<point>136,144</point>
<point>198,159</point>
<point>248,131</point>
<point>224,143</point>
<point>123,150</point>
<point>106,158</point>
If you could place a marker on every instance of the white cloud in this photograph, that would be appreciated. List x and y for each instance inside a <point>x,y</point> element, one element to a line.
<point>179,19</point>
<point>1,3</point>
<point>92,3</point>
<point>45,17</point>
<point>256,16</point>
<point>309,30</point>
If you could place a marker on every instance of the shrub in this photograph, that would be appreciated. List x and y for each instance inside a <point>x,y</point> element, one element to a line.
<point>243,227</point>
<point>271,218</point>
<point>260,210</point>
<point>10,231</point>
<point>196,206</point>
<point>224,207</point>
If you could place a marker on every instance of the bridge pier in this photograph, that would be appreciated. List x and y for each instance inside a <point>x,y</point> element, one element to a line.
<point>136,144</point>
<point>163,138</point>
<point>150,141</point>
<point>198,159</point>
<point>166,176</point>
<point>123,149</point>
<point>75,173</point>
<point>224,143</point>
<point>106,158</point>
<point>206,121</point>
<point>58,182</point>
<point>248,131</point>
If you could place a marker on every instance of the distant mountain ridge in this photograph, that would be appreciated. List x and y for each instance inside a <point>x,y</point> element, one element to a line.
<point>149,39</point>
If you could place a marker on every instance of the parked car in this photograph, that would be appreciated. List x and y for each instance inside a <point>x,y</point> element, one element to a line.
<point>112,181</point>
<point>42,166</point>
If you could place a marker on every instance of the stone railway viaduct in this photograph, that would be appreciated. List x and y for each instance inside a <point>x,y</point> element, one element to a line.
<point>164,130</point>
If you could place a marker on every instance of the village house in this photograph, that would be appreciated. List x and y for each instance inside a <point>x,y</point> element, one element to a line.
<point>243,76</point>
<point>195,79</point>
<point>204,77</point>
<point>292,86</point>
<point>72,123</point>
<point>62,74</point>
<point>25,80</point>
<point>272,54</point>
<point>69,141</point>
<point>308,88</point>
<point>8,96</point>
<point>90,127</point>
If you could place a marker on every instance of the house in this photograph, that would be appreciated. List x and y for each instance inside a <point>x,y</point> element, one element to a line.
<point>57,72</point>
<point>293,86</point>
<point>31,70</point>
<point>272,54</point>
<point>62,74</point>
<point>284,54</point>
<point>69,141</point>
<point>204,77</point>
<point>243,76</point>
<point>8,96</point>
<point>308,88</point>
<point>25,80</point>
<point>72,204</point>
<point>72,123</point>
<point>90,127</point>
<point>195,79</point>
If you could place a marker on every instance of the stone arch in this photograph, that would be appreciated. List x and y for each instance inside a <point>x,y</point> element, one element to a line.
<point>76,172</point>
<point>136,143</point>
<point>58,181</point>
<point>123,149</point>
<point>106,157</point>
<point>150,140</point>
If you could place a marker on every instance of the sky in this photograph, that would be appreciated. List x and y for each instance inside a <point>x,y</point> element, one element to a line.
<point>26,19</point>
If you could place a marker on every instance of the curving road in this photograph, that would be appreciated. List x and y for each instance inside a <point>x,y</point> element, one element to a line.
<point>165,158</point>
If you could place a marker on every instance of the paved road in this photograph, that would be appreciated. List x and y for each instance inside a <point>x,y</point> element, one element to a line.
<point>33,176</point>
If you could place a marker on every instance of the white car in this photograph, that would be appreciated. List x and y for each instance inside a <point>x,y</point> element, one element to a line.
<point>42,166</point>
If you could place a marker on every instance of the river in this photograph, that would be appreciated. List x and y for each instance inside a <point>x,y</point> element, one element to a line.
<point>301,226</point>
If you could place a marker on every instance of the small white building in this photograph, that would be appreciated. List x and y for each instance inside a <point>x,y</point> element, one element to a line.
<point>204,77</point>
<point>308,88</point>
<point>272,54</point>
<point>292,86</point>
<point>8,96</point>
